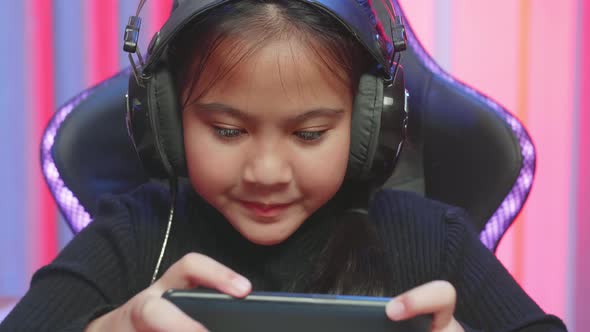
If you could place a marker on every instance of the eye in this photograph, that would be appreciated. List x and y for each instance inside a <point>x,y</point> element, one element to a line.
<point>228,133</point>
<point>310,135</point>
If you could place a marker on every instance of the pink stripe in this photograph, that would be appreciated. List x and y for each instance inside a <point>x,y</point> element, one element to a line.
<point>41,212</point>
<point>484,52</point>
<point>158,13</point>
<point>102,40</point>
<point>421,17</point>
<point>476,39</point>
<point>581,291</point>
<point>584,123</point>
<point>513,256</point>
<point>551,124</point>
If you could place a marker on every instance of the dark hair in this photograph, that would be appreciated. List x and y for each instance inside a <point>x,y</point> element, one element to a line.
<point>352,261</point>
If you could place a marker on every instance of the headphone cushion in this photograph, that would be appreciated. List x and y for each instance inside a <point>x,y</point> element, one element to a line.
<point>366,123</point>
<point>166,113</point>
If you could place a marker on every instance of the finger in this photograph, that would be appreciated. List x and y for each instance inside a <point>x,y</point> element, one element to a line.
<point>159,315</point>
<point>199,270</point>
<point>436,297</point>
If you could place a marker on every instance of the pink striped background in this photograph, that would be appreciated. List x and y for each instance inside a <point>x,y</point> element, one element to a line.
<point>531,56</point>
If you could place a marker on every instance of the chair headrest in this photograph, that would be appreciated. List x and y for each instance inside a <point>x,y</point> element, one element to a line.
<point>465,149</point>
<point>86,151</point>
<point>476,154</point>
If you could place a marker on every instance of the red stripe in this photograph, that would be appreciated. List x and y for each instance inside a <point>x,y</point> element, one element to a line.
<point>42,211</point>
<point>102,40</point>
<point>159,11</point>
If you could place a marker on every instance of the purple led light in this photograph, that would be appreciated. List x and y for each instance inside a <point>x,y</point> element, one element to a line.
<point>71,208</point>
<point>4,311</point>
<point>74,212</point>
<point>513,202</point>
<point>498,223</point>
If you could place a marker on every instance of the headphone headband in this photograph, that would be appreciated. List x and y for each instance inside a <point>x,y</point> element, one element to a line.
<point>379,108</point>
<point>352,17</point>
<point>379,116</point>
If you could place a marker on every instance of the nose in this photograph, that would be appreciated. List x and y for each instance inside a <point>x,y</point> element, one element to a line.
<point>268,167</point>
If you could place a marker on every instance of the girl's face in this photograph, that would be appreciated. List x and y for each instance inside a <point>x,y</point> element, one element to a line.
<point>268,144</point>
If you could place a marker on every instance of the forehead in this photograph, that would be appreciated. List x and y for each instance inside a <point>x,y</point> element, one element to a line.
<point>287,71</point>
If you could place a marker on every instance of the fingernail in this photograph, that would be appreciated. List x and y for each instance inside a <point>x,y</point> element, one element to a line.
<point>395,309</point>
<point>241,284</point>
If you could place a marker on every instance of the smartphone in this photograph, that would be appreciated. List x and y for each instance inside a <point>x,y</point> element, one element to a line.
<point>291,312</point>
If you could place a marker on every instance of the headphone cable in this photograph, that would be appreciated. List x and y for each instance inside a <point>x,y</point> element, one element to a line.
<point>173,189</point>
<point>140,7</point>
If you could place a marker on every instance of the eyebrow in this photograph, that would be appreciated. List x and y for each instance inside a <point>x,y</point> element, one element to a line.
<point>212,108</point>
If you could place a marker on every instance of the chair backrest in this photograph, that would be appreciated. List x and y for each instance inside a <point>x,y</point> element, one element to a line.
<point>465,149</point>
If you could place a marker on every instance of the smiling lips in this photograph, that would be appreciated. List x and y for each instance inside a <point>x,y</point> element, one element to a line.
<point>265,210</point>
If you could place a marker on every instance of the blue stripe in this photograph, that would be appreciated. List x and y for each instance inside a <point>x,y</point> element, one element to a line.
<point>69,49</point>
<point>13,128</point>
<point>69,45</point>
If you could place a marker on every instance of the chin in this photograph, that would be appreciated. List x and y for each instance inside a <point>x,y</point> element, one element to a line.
<point>266,235</point>
<point>265,239</point>
<point>266,232</point>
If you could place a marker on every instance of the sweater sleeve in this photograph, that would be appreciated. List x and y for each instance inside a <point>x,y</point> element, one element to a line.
<point>92,275</point>
<point>488,298</point>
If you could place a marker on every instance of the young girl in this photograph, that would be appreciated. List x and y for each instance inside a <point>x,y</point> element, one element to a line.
<point>267,91</point>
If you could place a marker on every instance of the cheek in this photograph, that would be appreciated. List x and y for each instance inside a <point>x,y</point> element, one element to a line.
<point>211,169</point>
<point>320,174</point>
<point>215,167</point>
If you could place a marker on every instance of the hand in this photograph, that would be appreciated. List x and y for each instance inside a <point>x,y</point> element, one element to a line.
<point>436,297</point>
<point>148,311</point>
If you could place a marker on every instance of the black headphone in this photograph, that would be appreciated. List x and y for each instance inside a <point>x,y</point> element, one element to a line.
<point>379,117</point>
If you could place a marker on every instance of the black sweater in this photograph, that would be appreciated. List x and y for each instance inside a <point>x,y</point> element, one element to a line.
<point>113,259</point>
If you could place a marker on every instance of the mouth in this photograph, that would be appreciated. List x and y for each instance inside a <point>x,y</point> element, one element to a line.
<point>265,210</point>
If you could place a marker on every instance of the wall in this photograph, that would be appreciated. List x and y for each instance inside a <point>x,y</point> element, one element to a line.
<point>530,55</point>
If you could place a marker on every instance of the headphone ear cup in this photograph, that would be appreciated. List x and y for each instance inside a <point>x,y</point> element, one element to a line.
<point>154,124</point>
<point>366,122</point>
<point>167,119</point>
<point>393,130</point>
